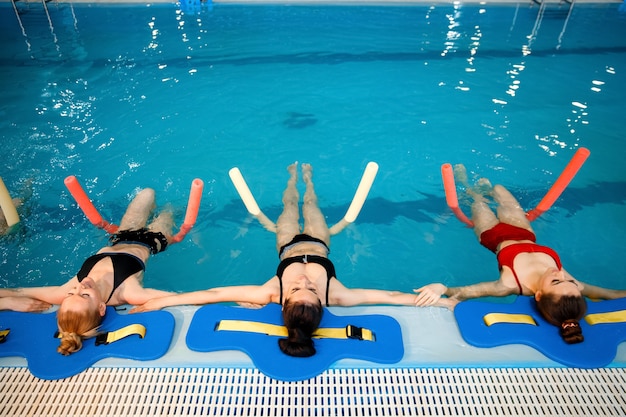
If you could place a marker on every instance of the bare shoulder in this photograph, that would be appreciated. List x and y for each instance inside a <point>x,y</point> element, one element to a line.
<point>270,290</point>
<point>339,294</point>
<point>507,282</point>
<point>128,292</point>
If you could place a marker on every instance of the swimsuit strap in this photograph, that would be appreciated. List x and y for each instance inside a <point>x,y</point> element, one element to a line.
<point>506,256</point>
<point>328,278</point>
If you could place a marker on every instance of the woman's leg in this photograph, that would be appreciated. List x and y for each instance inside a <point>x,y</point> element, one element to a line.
<point>138,211</point>
<point>314,221</point>
<point>287,225</point>
<point>482,215</point>
<point>509,209</point>
<point>163,223</point>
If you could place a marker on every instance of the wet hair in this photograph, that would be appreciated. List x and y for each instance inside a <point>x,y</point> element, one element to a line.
<point>564,312</point>
<point>74,326</point>
<point>301,320</point>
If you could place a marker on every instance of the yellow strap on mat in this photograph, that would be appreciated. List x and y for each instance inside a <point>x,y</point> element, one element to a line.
<point>3,335</point>
<point>110,337</point>
<point>494,318</point>
<point>348,332</point>
<point>251,326</point>
<point>610,317</point>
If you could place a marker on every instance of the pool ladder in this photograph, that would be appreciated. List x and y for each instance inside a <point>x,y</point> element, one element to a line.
<point>36,20</point>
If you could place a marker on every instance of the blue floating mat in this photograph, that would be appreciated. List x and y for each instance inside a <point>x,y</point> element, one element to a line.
<point>597,350</point>
<point>32,337</point>
<point>270,360</point>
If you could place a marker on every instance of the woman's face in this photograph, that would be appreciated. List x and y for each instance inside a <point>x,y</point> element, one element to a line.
<point>555,281</point>
<point>302,290</point>
<point>84,297</point>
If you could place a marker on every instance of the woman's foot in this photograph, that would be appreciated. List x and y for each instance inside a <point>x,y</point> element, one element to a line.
<point>307,172</point>
<point>483,186</point>
<point>293,172</point>
<point>481,190</point>
<point>460,173</point>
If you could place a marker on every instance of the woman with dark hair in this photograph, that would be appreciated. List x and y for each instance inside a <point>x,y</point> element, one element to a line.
<point>305,279</point>
<point>111,277</point>
<point>526,268</point>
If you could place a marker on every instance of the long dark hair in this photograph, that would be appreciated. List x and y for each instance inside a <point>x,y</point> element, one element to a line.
<point>301,320</point>
<point>564,312</point>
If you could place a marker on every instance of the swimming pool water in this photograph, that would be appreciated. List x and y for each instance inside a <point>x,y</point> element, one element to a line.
<point>129,96</point>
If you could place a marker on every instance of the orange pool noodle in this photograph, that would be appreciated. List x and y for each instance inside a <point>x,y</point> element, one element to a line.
<point>560,184</point>
<point>452,200</point>
<point>87,206</point>
<point>193,205</point>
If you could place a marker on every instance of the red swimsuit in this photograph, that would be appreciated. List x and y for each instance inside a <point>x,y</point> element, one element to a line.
<point>503,231</point>
<point>507,255</point>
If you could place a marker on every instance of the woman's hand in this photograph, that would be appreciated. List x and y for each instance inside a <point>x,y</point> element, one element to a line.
<point>430,295</point>
<point>23,304</point>
<point>149,305</point>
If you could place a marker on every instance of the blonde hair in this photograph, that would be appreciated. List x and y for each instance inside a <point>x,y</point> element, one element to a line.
<point>74,326</point>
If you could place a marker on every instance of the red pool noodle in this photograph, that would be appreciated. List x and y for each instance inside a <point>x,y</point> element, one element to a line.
<point>452,200</point>
<point>193,205</point>
<point>87,206</point>
<point>560,184</point>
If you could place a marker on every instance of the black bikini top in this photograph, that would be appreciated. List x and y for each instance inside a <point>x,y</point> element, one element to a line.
<point>304,259</point>
<point>124,265</point>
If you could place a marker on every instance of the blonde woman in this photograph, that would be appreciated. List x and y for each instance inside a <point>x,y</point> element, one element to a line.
<point>111,277</point>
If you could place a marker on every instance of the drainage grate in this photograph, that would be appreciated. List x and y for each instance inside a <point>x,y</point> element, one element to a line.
<point>339,392</point>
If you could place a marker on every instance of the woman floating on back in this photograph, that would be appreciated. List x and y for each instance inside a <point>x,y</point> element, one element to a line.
<point>305,279</point>
<point>526,268</point>
<point>111,277</point>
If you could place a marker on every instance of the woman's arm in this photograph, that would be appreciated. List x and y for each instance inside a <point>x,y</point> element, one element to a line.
<point>595,292</point>
<point>50,295</point>
<point>430,295</point>
<point>359,296</point>
<point>23,304</point>
<point>254,294</point>
<point>143,295</point>
<point>600,293</point>
<point>342,296</point>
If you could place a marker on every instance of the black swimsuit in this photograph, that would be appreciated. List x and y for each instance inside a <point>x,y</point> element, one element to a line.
<point>155,241</point>
<point>124,265</point>
<point>304,259</point>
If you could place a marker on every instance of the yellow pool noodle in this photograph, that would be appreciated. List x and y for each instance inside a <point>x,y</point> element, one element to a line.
<point>7,206</point>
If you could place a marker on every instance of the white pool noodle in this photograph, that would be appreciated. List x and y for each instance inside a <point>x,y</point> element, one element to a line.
<point>361,192</point>
<point>244,191</point>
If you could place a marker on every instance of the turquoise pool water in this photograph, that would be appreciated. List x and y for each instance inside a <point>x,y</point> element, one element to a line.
<point>154,96</point>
